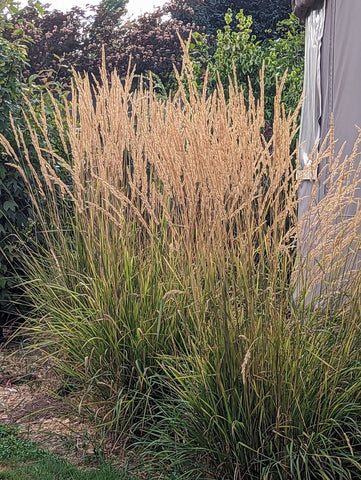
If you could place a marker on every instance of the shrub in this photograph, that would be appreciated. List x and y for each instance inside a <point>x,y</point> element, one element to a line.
<point>238,52</point>
<point>62,41</point>
<point>14,208</point>
<point>210,14</point>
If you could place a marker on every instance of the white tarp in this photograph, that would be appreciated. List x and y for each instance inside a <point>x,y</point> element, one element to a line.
<point>311,109</point>
<point>330,195</point>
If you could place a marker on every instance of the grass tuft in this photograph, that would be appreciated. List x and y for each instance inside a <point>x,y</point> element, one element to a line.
<point>174,284</point>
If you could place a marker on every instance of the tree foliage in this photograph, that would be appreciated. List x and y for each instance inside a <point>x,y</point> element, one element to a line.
<point>153,44</point>
<point>210,13</point>
<point>62,41</point>
<point>52,38</point>
<point>74,39</point>
<point>238,52</point>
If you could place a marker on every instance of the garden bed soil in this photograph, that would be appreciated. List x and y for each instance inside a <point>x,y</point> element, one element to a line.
<point>26,400</point>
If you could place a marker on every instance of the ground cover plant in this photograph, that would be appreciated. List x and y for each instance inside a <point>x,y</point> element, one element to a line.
<point>164,287</point>
<point>22,459</point>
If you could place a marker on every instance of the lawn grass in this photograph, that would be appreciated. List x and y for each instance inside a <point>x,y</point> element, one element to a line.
<point>21,459</point>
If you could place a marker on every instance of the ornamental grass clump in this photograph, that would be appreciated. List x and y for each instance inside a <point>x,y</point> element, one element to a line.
<point>166,286</point>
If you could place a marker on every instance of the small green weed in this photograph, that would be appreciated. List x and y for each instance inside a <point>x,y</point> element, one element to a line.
<point>14,448</point>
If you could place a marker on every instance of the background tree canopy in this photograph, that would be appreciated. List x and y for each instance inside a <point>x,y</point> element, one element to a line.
<point>58,41</point>
<point>210,13</point>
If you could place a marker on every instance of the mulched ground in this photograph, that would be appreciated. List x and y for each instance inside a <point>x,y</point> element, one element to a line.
<point>26,383</point>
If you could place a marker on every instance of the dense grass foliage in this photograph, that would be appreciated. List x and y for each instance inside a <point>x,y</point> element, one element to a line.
<point>38,46</point>
<point>165,283</point>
